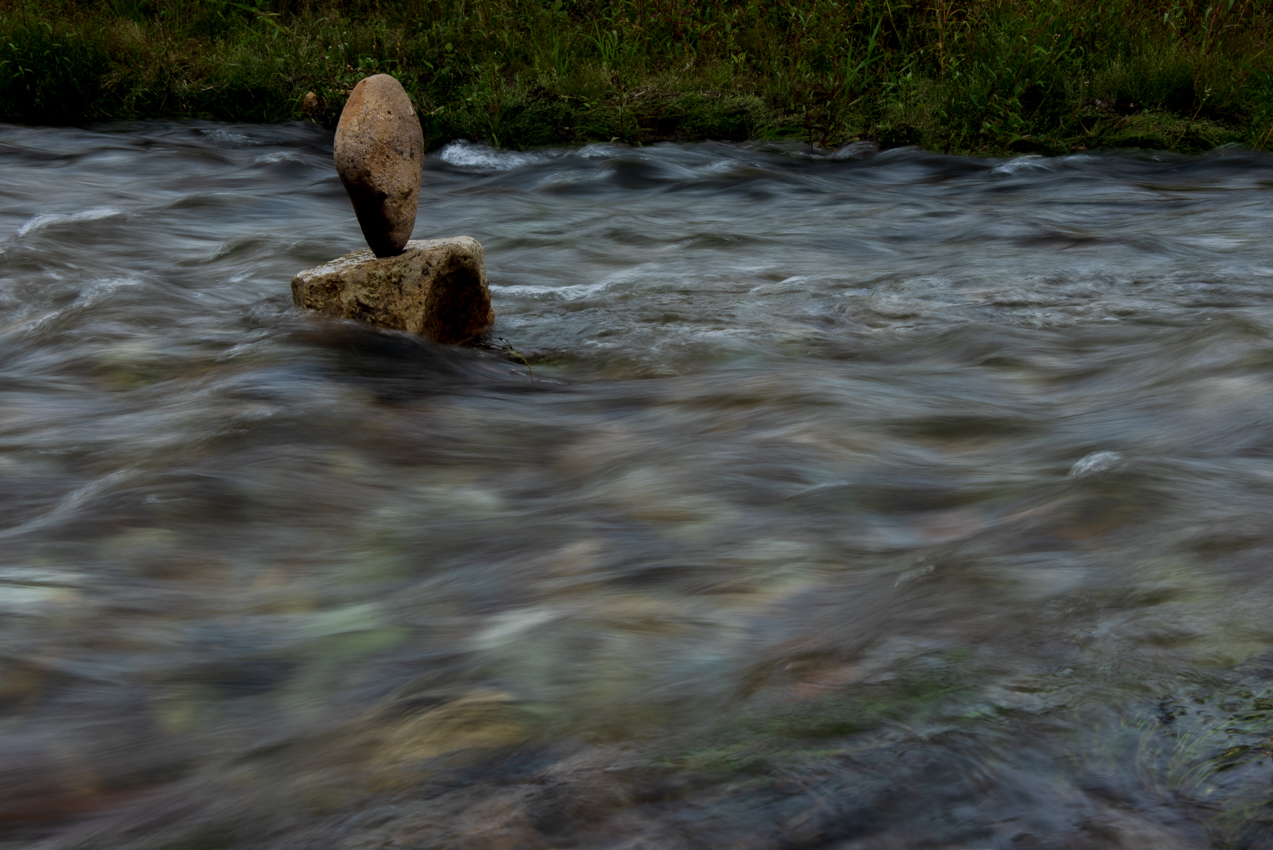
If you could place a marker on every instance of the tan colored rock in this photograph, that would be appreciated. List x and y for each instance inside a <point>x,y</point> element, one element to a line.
<point>380,156</point>
<point>436,288</point>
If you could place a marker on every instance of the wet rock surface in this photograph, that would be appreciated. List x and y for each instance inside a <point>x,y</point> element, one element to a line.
<point>379,156</point>
<point>435,288</point>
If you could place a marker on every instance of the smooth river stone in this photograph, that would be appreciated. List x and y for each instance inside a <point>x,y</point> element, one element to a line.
<point>435,288</point>
<point>380,156</point>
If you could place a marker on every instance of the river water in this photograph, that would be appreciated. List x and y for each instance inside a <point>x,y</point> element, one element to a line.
<point>857,500</point>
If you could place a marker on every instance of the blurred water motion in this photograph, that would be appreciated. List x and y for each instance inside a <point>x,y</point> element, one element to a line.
<point>859,501</point>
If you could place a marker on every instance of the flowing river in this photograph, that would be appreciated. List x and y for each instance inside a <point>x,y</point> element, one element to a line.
<point>857,500</point>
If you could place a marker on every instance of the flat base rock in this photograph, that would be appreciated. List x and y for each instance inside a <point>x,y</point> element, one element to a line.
<point>435,288</point>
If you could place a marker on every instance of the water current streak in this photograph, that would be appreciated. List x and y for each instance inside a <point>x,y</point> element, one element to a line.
<point>860,500</point>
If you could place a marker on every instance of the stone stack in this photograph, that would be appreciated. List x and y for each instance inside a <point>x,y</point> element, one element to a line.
<point>436,288</point>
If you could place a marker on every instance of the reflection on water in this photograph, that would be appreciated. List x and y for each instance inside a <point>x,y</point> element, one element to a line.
<point>860,501</point>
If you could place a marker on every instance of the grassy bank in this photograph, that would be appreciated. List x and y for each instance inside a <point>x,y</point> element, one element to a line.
<point>987,76</point>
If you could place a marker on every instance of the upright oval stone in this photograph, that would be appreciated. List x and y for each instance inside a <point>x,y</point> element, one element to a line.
<point>379,156</point>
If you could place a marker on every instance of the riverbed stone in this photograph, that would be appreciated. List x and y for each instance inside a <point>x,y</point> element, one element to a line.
<point>380,157</point>
<point>435,288</point>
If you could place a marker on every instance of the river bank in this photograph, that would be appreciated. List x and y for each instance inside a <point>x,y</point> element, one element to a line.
<point>987,76</point>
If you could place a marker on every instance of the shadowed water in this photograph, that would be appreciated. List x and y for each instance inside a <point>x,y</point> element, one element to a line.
<point>859,500</point>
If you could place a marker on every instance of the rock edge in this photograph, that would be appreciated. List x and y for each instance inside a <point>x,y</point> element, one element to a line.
<point>435,288</point>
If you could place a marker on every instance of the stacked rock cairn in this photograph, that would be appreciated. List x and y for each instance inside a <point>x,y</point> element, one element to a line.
<point>435,288</point>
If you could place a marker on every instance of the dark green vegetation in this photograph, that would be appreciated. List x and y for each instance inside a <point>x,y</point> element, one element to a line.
<point>967,76</point>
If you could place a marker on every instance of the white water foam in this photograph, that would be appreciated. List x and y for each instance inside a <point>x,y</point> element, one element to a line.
<point>1030,162</point>
<point>465,154</point>
<point>43,220</point>
<point>598,150</point>
<point>1095,463</point>
<point>563,293</point>
<point>278,156</point>
<point>229,138</point>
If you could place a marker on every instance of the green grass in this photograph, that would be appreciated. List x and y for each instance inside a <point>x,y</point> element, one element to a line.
<point>980,76</point>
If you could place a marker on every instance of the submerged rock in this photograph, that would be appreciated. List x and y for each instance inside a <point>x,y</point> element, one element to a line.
<point>380,157</point>
<point>436,288</point>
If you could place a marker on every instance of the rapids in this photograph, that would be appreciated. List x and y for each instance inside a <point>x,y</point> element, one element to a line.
<point>858,500</point>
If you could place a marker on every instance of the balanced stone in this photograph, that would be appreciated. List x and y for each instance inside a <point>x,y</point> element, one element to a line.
<point>380,156</point>
<point>435,288</point>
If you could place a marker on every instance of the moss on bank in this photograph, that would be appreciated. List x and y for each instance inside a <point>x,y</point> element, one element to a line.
<point>984,76</point>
